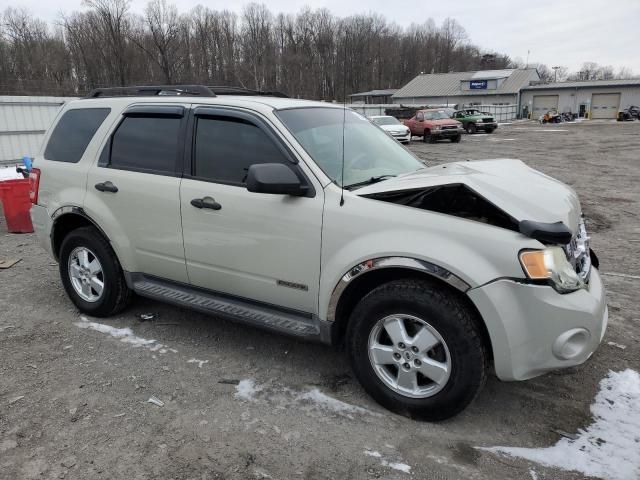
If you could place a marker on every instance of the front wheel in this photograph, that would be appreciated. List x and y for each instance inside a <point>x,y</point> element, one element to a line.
<point>456,139</point>
<point>91,273</point>
<point>416,348</point>
<point>489,130</point>
<point>471,128</point>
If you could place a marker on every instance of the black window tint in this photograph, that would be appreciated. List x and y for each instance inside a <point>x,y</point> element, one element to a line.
<point>73,132</point>
<point>146,143</point>
<point>226,147</point>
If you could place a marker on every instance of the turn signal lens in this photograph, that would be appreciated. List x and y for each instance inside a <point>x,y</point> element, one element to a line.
<point>534,264</point>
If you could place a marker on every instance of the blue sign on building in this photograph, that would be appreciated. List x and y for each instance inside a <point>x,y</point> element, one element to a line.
<point>478,84</point>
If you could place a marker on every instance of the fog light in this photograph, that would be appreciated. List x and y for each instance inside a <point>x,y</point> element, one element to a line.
<point>571,343</point>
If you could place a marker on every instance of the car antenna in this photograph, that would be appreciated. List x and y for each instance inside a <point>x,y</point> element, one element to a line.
<point>344,113</point>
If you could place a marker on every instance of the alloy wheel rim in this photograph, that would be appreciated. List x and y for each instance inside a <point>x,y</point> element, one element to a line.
<point>86,275</point>
<point>409,356</point>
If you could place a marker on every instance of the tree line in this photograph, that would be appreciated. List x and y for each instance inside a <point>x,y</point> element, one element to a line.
<point>311,54</point>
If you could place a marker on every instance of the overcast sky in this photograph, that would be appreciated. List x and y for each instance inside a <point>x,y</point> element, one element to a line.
<point>556,32</point>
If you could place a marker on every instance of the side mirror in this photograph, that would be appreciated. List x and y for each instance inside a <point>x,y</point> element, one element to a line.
<point>274,178</point>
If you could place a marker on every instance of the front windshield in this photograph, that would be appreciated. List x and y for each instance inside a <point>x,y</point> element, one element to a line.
<point>369,152</point>
<point>385,121</point>
<point>439,115</point>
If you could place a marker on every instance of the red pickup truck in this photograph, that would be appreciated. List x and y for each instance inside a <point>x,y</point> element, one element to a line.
<point>434,124</point>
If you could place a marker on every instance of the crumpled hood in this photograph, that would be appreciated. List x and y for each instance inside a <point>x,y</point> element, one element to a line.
<point>512,186</point>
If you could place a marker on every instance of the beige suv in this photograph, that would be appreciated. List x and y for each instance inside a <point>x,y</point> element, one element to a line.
<point>305,218</point>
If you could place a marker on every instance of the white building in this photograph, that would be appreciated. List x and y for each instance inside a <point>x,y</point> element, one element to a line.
<point>592,99</point>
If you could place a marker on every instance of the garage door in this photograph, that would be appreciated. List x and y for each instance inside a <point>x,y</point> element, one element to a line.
<point>543,103</point>
<point>605,105</point>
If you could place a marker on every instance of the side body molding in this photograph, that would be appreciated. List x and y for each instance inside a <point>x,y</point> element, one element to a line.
<point>391,262</point>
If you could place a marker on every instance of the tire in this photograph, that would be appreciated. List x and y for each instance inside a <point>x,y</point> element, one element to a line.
<point>115,294</point>
<point>489,130</point>
<point>449,318</point>
<point>426,136</point>
<point>471,128</point>
<point>456,139</point>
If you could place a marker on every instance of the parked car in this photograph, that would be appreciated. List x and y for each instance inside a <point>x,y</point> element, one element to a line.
<point>434,124</point>
<point>474,120</point>
<point>393,126</point>
<point>304,218</point>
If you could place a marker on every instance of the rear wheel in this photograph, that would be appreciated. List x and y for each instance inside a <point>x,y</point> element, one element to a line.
<point>416,349</point>
<point>91,273</point>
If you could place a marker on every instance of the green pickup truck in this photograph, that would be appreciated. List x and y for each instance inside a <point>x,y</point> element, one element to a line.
<point>474,120</point>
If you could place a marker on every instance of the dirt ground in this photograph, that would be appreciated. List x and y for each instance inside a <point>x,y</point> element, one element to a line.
<point>73,401</point>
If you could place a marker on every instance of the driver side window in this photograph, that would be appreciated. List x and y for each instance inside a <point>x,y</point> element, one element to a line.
<point>420,116</point>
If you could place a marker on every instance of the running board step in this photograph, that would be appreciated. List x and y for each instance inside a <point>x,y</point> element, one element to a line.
<point>291,323</point>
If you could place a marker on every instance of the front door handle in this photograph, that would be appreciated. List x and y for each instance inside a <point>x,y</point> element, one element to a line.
<point>206,202</point>
<point>106,187</point>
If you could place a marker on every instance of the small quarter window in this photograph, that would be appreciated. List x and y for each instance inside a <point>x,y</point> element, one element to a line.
<point>73,132</point>
<point>226,147</point>
<point>146,144</point>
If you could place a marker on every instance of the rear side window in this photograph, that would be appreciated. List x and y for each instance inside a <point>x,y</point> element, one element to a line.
<point>146,144</point>
<point>226,147</point>
<point>73,132</point>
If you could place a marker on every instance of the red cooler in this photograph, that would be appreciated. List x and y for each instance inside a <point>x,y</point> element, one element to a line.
<point>16,204</point>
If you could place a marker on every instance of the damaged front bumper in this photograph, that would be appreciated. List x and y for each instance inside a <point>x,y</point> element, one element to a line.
<point>534,329</point>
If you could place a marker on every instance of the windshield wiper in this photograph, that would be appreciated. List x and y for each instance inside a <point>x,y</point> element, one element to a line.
<point>371,180</point>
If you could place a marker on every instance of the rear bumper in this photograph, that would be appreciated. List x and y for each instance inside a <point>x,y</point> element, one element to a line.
<point>42,226</point>
<point>534,329</point>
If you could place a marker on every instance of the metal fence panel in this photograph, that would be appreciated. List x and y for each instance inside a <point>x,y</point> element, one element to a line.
<point>23,123</point>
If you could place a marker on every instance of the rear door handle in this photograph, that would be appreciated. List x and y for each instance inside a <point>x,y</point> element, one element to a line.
<point>106,187</point>
<point>206,202</point>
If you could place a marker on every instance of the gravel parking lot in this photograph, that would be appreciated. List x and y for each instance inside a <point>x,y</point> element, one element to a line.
<point>73,394</point>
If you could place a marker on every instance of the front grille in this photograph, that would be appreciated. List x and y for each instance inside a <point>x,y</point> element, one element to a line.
<point>487,119</point>
<point>449,127</point>
<point>578,252</point>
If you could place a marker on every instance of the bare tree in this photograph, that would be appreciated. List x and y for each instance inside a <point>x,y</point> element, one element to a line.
<point>311,54</point>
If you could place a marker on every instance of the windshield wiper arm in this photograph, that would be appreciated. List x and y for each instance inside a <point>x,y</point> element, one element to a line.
<point>371,180</point>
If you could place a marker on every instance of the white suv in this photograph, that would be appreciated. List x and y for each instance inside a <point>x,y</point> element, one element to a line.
<point>305,218</point>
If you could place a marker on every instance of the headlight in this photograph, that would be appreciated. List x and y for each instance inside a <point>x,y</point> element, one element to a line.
<point>436,127</point>
<point>551,264</point>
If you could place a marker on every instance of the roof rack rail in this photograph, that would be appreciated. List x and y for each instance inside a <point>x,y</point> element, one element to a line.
<point>152,90</point>
<point>229,90</point>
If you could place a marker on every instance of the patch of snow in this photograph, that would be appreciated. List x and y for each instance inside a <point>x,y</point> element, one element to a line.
<point>330,403</point>
<point>617,345</point>
<point>199,362</point>
<point>534,475</point>
<point>286,397</point>
<point>125,335</point>
<point>403,467</point>
<point>247,389</point>
<point>609,448</point>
